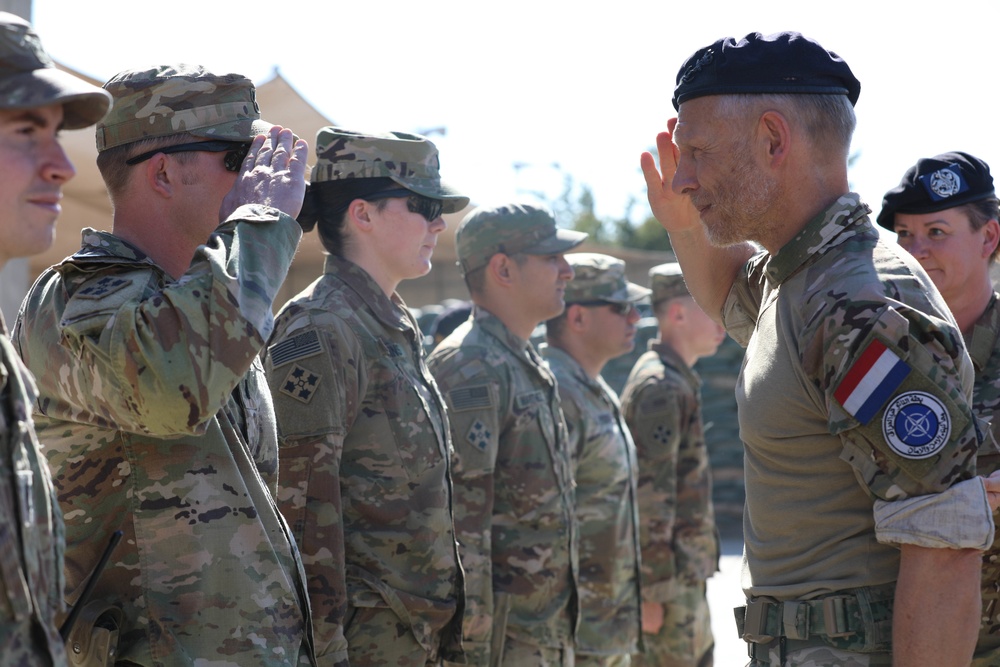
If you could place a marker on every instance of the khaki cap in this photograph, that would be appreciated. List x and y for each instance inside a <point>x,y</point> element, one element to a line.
<point>175,99</point>
<point>510,229</point>
<point>29,79</point>
<point>598,277</point>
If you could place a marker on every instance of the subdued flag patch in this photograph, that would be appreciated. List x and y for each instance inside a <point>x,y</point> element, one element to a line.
<point>469,398</point>
<point>869,383</point>
<point>297,347</point>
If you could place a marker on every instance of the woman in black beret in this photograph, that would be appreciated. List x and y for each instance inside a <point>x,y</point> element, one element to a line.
<point>945,214</point>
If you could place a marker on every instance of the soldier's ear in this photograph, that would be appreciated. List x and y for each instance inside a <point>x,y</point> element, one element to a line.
<point>358,215</point>
<point>160,174</point>
<point>775,137</point>
<point>991,235</point>
<point>500,268</point>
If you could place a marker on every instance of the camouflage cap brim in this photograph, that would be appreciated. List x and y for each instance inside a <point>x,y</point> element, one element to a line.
<point>632,294</point>
<point>435,189</point>
<point>83,104</point>
<point>562,241</point>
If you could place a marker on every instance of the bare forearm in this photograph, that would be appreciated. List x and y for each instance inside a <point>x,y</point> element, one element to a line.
<point>709,271</point>
<point>937,607</point>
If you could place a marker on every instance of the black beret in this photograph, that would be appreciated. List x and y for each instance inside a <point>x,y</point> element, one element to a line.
<point>937,183</point>
<point>785,62</point>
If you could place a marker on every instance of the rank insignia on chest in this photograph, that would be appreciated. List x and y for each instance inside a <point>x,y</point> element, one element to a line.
<point>875,375</point>
<point>478,435</point>
<point>300,384</point>
<point>103,287</point>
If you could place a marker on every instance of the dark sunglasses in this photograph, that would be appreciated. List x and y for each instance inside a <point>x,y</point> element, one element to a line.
<point>430,209</point>
<point>236,152</point>
<point>616,308</point>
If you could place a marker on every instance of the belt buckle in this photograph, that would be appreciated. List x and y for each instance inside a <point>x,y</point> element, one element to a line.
<point>755,626</point>
<point>835,618</point>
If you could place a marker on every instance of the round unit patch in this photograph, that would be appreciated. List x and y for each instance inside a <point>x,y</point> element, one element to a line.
<point>916,425</point>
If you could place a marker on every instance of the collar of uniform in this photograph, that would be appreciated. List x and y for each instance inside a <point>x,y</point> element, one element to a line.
<point>670,358</point>
<point>95,244</point>
<point>558,356</point>
<point>984,334</point>
<point>392,312</point>
<point>492,325</point>
<point>830,228</point>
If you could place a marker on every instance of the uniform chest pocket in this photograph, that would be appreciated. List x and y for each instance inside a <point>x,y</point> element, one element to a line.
<point>400,423</point>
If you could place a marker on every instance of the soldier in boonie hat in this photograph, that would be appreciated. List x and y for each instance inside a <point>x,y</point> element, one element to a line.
<point>784,62</point>
<point>510,229</point>
<point>667,282</point>
<point>180,99</point>
<point>937,183</point>
<point>600,278</point>
<point>29,78</point>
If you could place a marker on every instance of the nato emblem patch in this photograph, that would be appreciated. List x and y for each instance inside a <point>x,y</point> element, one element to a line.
<point>944,183</point>
<point>478,435</point>
<point>300,384</point>
<point>916,425</point>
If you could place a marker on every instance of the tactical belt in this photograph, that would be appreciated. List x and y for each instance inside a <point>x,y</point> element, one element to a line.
<point>862,616</point>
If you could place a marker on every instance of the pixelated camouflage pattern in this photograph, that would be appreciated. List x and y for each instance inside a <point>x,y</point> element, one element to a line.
<point>983,344</point>
<point>510,229</point>
<point>408,159</point>
<point>806,315</point>
<point>514,516</point>
<point>661,403</point>
<point>604,469</point>
<point>29,78</point>
<point>174,99</point>
<point>156,419</point>
<point>598,277</point>
<point>667,282</point>
<point>31,528</point>
<point>365,480</point>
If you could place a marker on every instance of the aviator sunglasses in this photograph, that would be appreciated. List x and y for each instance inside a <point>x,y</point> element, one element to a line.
<point>430,209</point>
<point>616,308</point>
<point>236,152</point>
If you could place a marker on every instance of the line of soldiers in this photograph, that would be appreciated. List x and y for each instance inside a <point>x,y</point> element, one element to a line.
<point>308,488</point>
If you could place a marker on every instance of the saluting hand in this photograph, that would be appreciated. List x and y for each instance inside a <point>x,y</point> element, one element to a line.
<point>273,174</point>
<point>675,212</point>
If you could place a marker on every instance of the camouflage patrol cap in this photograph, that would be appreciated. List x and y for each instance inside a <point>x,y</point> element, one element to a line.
<point>938,183</point>
<point>598,277</point>
<point>510,228</point>
<point>408,159</point>
<point>667,282</point>
<point>29,78</point>
<point>785,62</point>
<point>175,99</point>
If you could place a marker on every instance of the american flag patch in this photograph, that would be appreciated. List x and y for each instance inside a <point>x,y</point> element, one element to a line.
<point>874,377</point>
<point>298,347</point>
<point>469,398</point>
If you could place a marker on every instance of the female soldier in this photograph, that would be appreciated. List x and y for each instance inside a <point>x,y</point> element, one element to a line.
<point>945,214</point>
<point>364,471</point>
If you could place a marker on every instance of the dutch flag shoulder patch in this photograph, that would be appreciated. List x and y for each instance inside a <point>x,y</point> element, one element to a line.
<point>875,376</point>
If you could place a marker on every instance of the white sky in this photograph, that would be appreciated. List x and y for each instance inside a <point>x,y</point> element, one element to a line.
<point>576,88</point>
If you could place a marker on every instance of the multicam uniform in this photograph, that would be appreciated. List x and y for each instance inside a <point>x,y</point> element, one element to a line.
<point>513,495</point>
<point>31,530</point>
<point>661,402</point>
<point>984,349</point>
<point>364,477</point>
<point>853,409</point>
<point>156,419</point>
<point>604,465</point>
